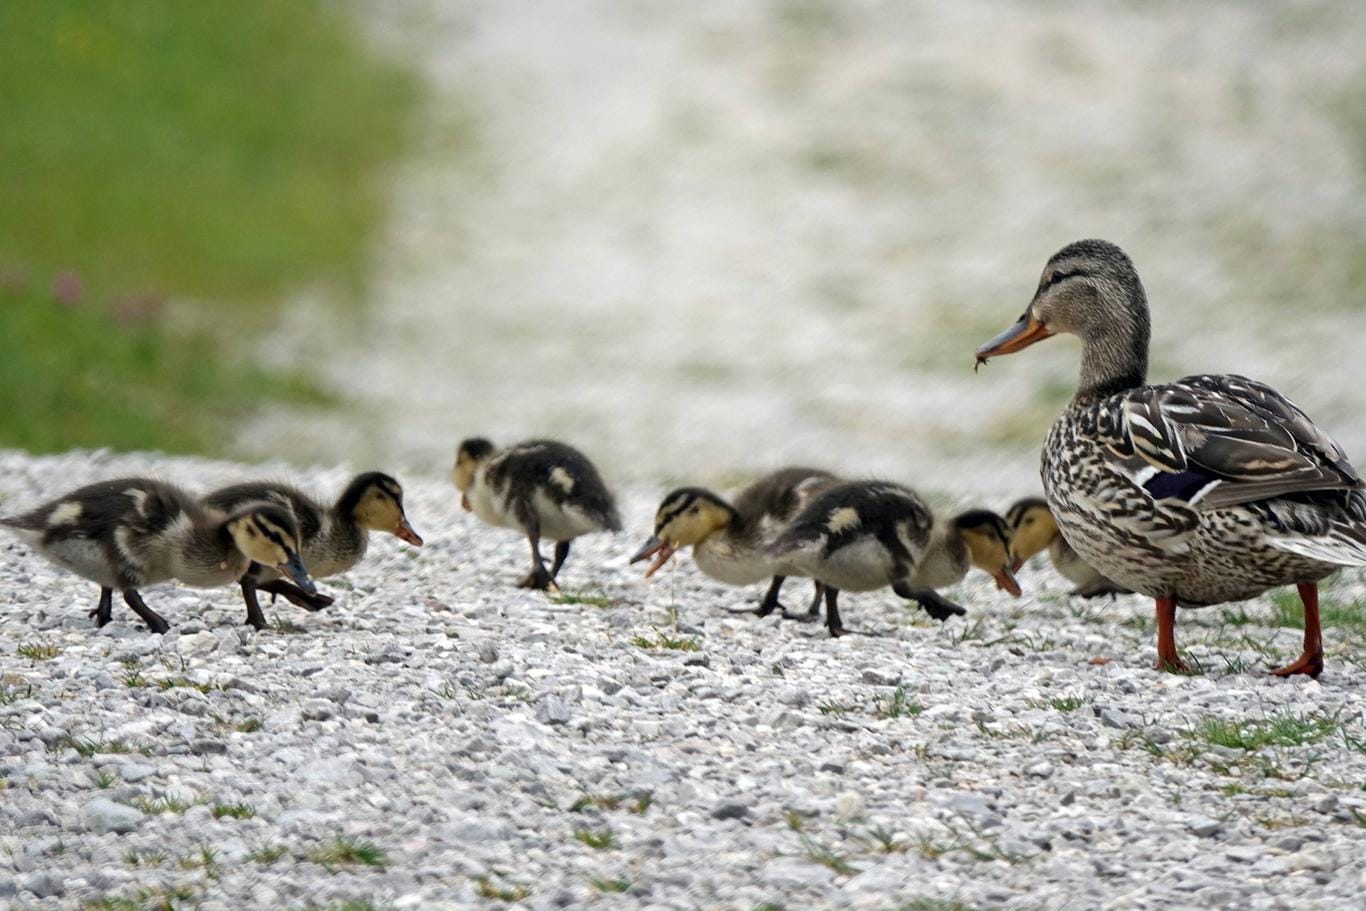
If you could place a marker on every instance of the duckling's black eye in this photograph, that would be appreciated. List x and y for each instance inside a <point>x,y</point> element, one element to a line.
<point>694,510</point>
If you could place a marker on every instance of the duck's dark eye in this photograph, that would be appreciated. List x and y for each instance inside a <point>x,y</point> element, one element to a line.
<point>694,510</point>
<point>1060,277</point>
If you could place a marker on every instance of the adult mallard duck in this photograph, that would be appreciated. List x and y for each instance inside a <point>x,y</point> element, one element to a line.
<point>1197,492</point>
<point>865,535</point>
<point>542,488</point>
<point>333,539</point>
<point>126,534</point>
<point>729,541</point>
<point>1033,530</point>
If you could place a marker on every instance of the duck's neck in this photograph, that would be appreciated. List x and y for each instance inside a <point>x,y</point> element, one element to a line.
<point>1114,356</point>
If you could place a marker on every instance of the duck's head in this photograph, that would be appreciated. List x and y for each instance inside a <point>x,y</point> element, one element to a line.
<point>267,534</point>
<point>1032,529</point>
<point>1089,289</point>
<point>375,501</point>
<point>988,540</point>
<point>469,455</point>
<point>687,516</point>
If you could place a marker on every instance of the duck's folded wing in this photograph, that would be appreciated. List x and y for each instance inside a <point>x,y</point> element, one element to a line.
<point>1223,440</point>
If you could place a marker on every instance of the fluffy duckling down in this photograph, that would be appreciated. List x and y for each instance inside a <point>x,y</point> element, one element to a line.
<point>129,533</point>
<point>730,542</point>
<point>333,539</point>
<point>542,488</point>
<point>1033,530</point>
<point>865,535</point>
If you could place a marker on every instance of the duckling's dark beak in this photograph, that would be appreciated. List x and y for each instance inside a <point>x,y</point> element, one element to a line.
<point>465,503</point>
<point>1018,337</point>
<point>649,549</point>
<point>1005,581</point>
<point>295,568</point>
<point>404,532</point>
<point>1016,563</point>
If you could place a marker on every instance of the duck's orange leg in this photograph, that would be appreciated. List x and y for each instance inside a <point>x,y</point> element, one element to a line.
<point>1311,662</point>
<point>1167,658</point>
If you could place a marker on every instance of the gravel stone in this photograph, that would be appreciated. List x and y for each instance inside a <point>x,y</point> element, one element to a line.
<point>104,815</point>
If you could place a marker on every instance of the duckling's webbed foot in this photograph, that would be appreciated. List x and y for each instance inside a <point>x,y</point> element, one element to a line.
<point>832,614</point>
<point>155,622</point>
<point>769,603</point>
<point>935,604</point>
<point>296,595</point>
<point>104,611</point>
<point>539,579</point>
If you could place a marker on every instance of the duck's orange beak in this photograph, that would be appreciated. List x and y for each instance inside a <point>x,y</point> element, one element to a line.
<point>1005,580</point>
<point>660,550</point>
<point>1018,337</point>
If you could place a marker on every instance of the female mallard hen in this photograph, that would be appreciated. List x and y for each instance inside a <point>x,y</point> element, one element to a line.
<point>1209,489</point>
<point>729,542</point>
<point>543,488</point>
<point>864,535</point>
<point>332,539</point>
<point>134,532</point>
<point>1033,529</point>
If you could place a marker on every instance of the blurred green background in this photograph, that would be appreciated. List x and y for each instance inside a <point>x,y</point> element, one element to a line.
<point>169,172</point>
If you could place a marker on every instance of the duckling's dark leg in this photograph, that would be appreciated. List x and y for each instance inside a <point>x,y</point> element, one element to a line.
<point>769,603</point>
<point>539,578</point>
<point>832,613</point>
<point>155,622</point>
<point>1311,662</point>
<point>561,554</point>
<point>104,612</point>
<point>1167,657</point>
<point>295,595</point>
<point>255,617</point>
<point>935,604</point>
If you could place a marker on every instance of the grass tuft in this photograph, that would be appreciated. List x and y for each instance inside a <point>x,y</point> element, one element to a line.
<point>897,705</point>
<point>232,810</point>
<point>1282,730</point>
<point>620,884</point>
<point>598,840</point>
<point>826,857</point>
<point>664,640</point>
<point>349,852</point>
<point>487,887</point>
<point>38,651</point>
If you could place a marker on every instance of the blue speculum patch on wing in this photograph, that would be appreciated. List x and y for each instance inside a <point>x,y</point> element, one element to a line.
<point>1188,485</point>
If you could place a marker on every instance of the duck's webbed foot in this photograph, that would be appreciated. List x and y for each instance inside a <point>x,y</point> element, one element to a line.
<point>155,622</point>
<point>296,595</point>
<point>1311,660</point>
<point>935,604</point>
<point>539,580</point>
<point>104,611</point>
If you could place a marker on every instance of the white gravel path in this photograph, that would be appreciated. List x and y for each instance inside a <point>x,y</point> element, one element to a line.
<point>474,739</point>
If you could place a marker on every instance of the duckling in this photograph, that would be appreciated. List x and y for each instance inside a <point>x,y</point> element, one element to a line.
<point>543,488</point>
<point>1033,529</point>
<point>129,533</point>
<point>865,535</point>
<point>333,539</point>
<point>1209,489</point>
<point>729,542</point>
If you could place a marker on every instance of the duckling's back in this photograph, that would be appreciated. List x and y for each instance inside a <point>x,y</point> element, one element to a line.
<point>110,532</point>
<point>558,483</point>
<point>307,512</point>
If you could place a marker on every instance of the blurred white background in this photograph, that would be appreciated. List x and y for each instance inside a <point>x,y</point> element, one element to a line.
<point>699,239</point>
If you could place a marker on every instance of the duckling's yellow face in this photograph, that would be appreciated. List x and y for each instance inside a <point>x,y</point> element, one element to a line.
<point>381,509</point>
<point>268,535</point>
<point>1033,529</point>
<point>469,455</point>
<point>687,516</point>
<point>988,541</point>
